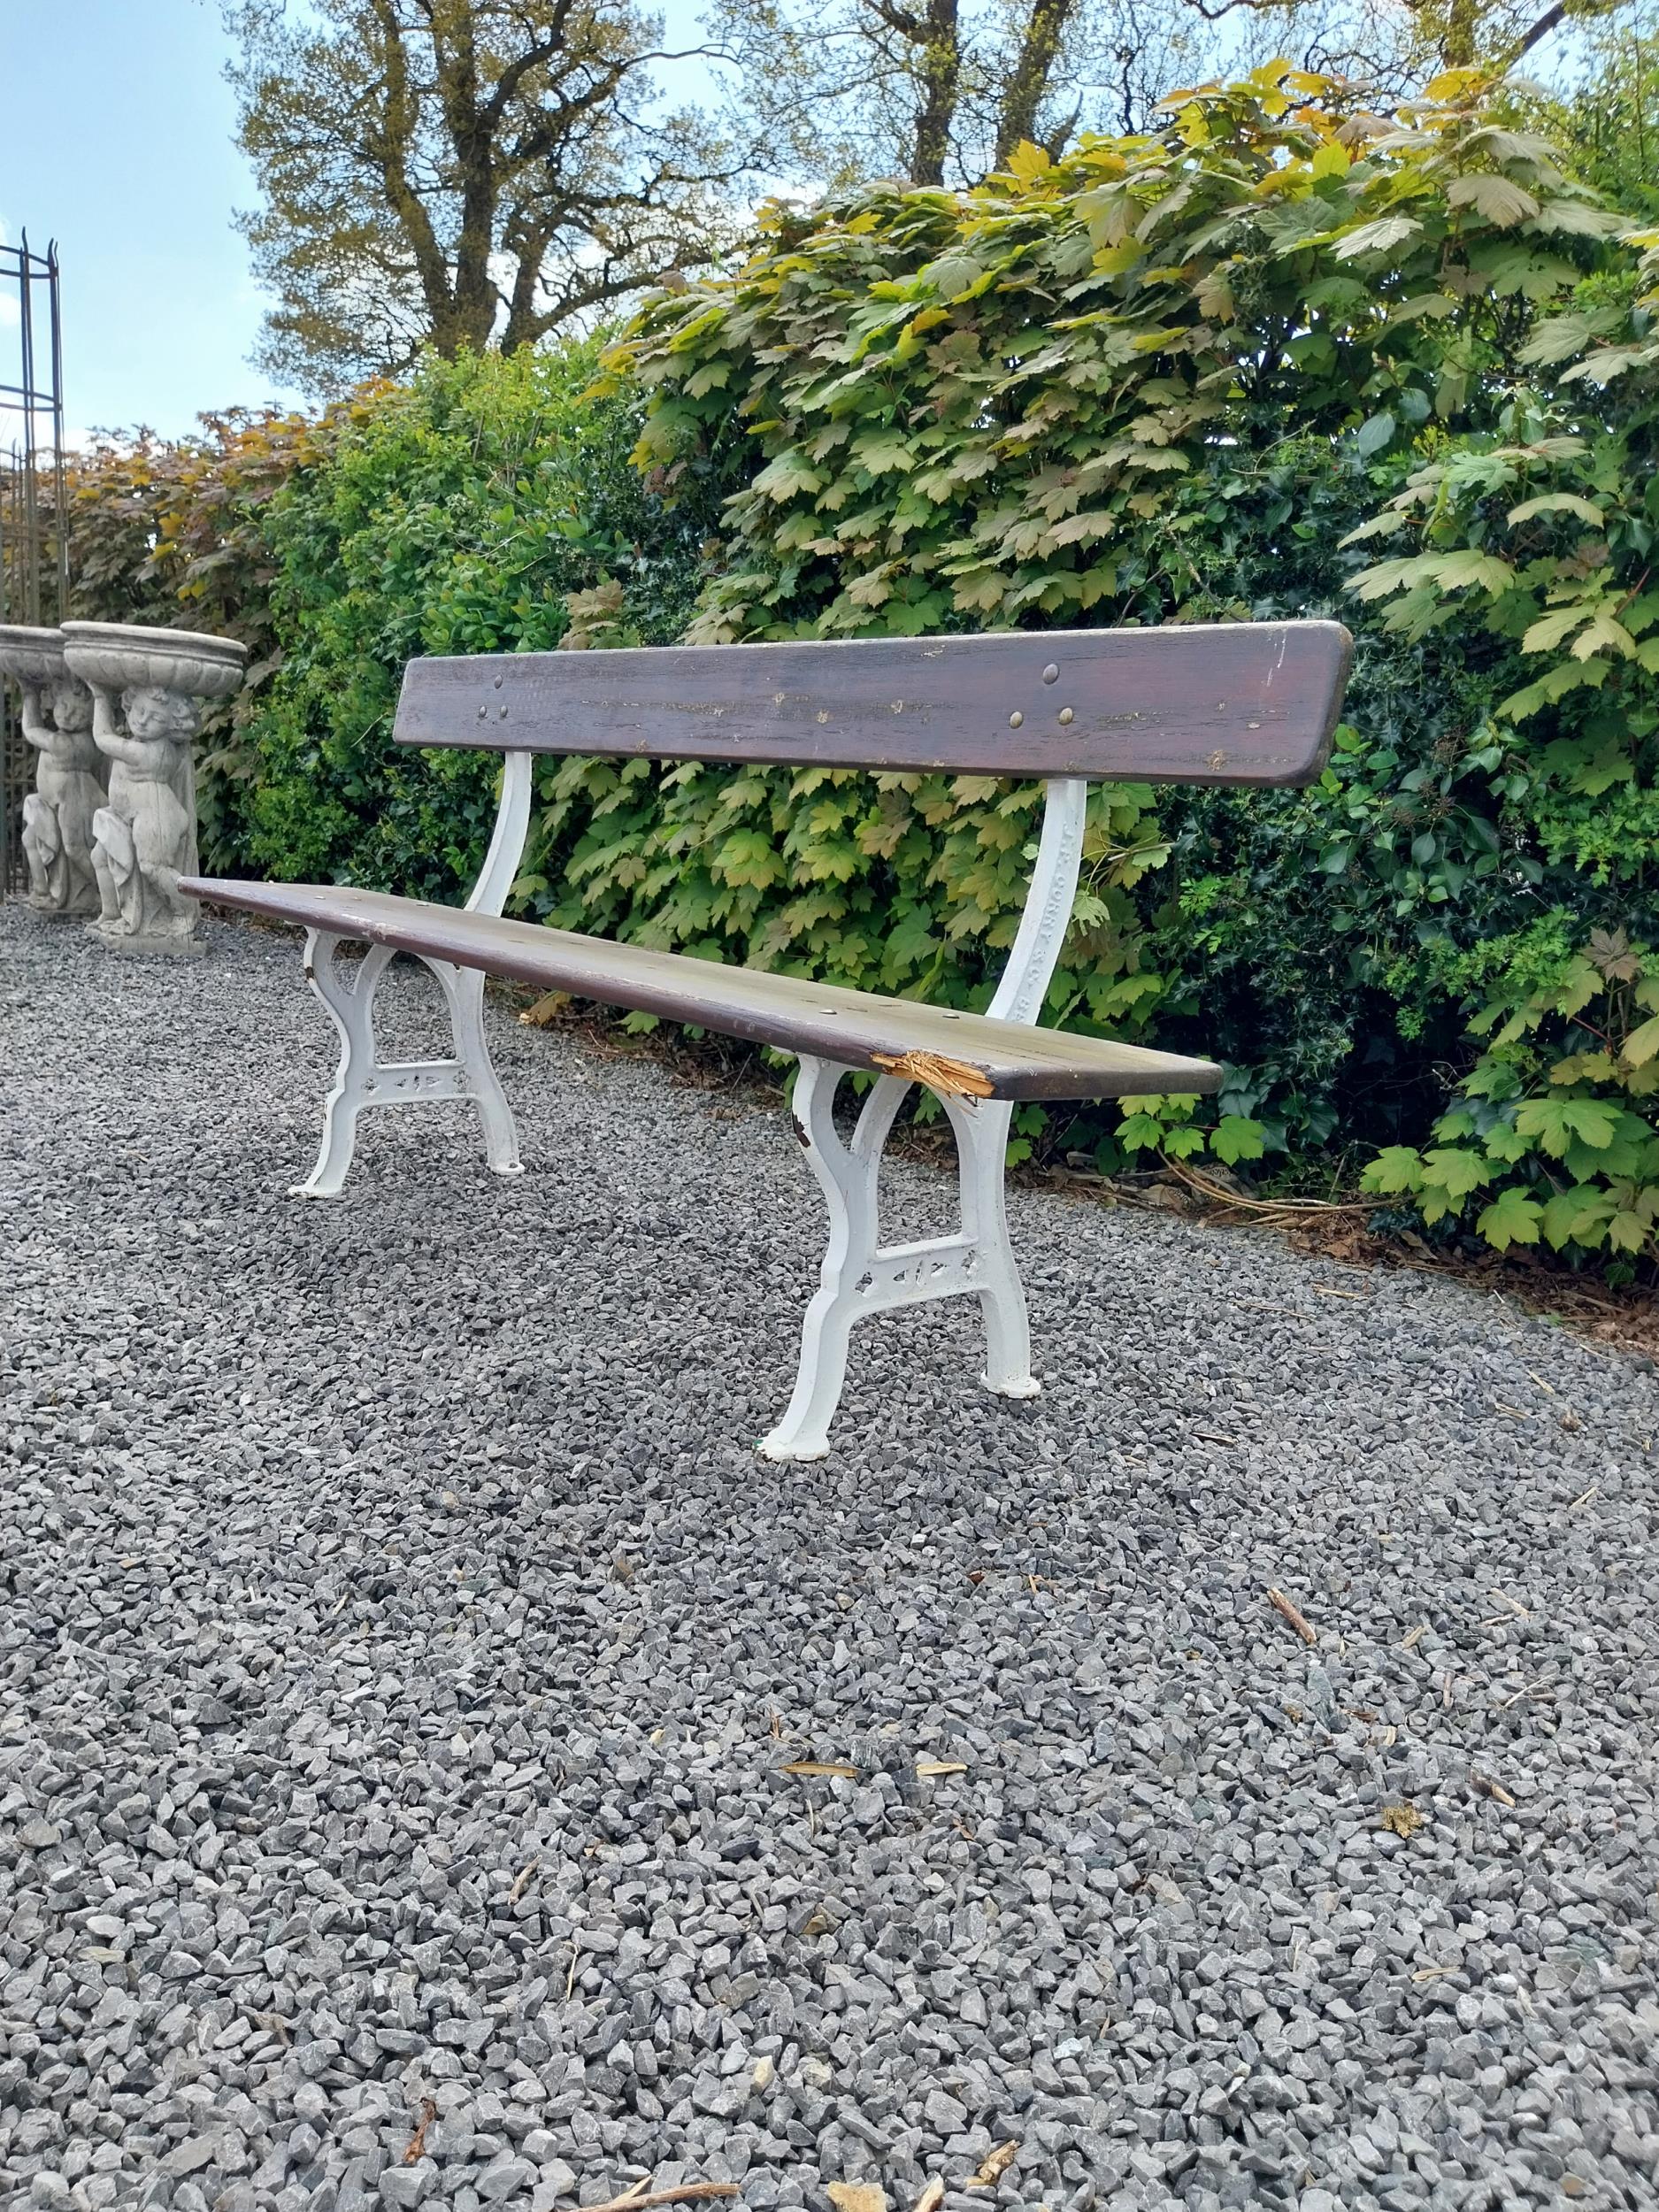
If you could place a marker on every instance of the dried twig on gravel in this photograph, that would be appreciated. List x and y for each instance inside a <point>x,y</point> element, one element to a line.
<point>417,2149</point>
<point>686,2192</point>
<point>1298,1620</point>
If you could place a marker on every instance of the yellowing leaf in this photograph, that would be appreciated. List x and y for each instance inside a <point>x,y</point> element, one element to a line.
<point>1028,162</point>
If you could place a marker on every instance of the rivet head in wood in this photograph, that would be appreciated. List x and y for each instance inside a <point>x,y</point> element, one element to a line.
<point>1016,719</point>
<point>501,712</point>
<point>498,683</point>
<point>483,714</point>
<point>1066,715</point>
<point>1051,674</point>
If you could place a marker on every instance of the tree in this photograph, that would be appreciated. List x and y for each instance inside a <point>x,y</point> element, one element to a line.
<point>943,91</point>
<point>455,172</point>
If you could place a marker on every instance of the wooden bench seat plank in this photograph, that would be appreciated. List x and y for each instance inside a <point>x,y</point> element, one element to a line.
<point>852,1028</point>
<point>1223,703</point>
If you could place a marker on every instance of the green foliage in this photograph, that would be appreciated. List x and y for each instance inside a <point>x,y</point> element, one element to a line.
<point>1279,358</point>
<point>1553,1134</point>
<point>1200,374</point>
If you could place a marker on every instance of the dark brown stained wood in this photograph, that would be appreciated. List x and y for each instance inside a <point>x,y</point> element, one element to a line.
<point>1228,702</point>
<point>858,1030</point>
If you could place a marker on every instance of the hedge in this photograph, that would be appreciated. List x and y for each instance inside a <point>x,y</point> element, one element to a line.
<point>1281,356</point>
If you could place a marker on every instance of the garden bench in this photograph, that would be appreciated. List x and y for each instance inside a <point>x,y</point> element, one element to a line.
<point>1222,703</point>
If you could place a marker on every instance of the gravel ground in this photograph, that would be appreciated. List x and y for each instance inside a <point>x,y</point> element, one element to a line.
<point>402,1649</point>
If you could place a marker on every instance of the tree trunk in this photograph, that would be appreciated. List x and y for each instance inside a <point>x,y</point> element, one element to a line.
<point>1024,94</point>
<point>940,71</point>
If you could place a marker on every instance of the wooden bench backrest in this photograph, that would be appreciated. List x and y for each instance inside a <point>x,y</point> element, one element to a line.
<point>1232,702</point>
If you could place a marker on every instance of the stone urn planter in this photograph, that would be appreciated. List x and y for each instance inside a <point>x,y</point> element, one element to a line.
<point>148,689</point>
<point>69,774</point>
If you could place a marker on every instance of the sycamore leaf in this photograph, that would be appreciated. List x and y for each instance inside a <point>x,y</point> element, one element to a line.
<point>789,474</point>
<point>1397,1168</point>
<point>1553,629</point>
<point>1559,339</point>
<point>1556,502</point>
<point>1511,1218</point>
<point>1604,629</point>
<point>1555,1122</point>
<point>1388,230</point>
<point>1447,1167</point>
<point>1577,1215</point>
<point>1641,1044</point>
<point>1497,198</point>
<point>1236,1137</point>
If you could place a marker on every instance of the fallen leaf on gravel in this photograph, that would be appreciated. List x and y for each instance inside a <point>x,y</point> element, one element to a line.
<point>417,2141</point>
<point>995,2165</point>
<point>931,2197</point>
<point>1402,1820</point>
<point>940,1766</point>
<point>857,2196</point>
<point>546,1009</point>
<point>818,1766</point>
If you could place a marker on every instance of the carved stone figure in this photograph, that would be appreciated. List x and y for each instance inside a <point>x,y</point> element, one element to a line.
<point>148,686</point>
<point>69,775</point>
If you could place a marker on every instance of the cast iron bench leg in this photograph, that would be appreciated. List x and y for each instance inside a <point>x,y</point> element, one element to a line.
<point>363,1081</point>
<point>860,1276</point>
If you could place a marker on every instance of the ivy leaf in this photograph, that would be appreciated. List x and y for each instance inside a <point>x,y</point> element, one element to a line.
<point>1374,433</point>
<point>1511,1218</point>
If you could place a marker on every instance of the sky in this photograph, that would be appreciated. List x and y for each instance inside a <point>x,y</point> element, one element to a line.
<point>116,139</point>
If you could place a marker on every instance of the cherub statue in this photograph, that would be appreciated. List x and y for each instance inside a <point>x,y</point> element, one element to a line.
<point>144,838</point>
<point>58,814</point>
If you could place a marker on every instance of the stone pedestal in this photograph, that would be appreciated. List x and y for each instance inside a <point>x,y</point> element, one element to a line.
<point>148,688</point>
<point>69,776</point>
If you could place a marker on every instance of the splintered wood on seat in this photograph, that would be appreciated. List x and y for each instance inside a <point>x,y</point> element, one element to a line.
<point>1221,703</point>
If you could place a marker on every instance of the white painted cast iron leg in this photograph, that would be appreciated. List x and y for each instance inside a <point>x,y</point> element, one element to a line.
<point>847,1175</point>
<point>464,994</point>
<point>981,1130</point>
<point>351,1009</point>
